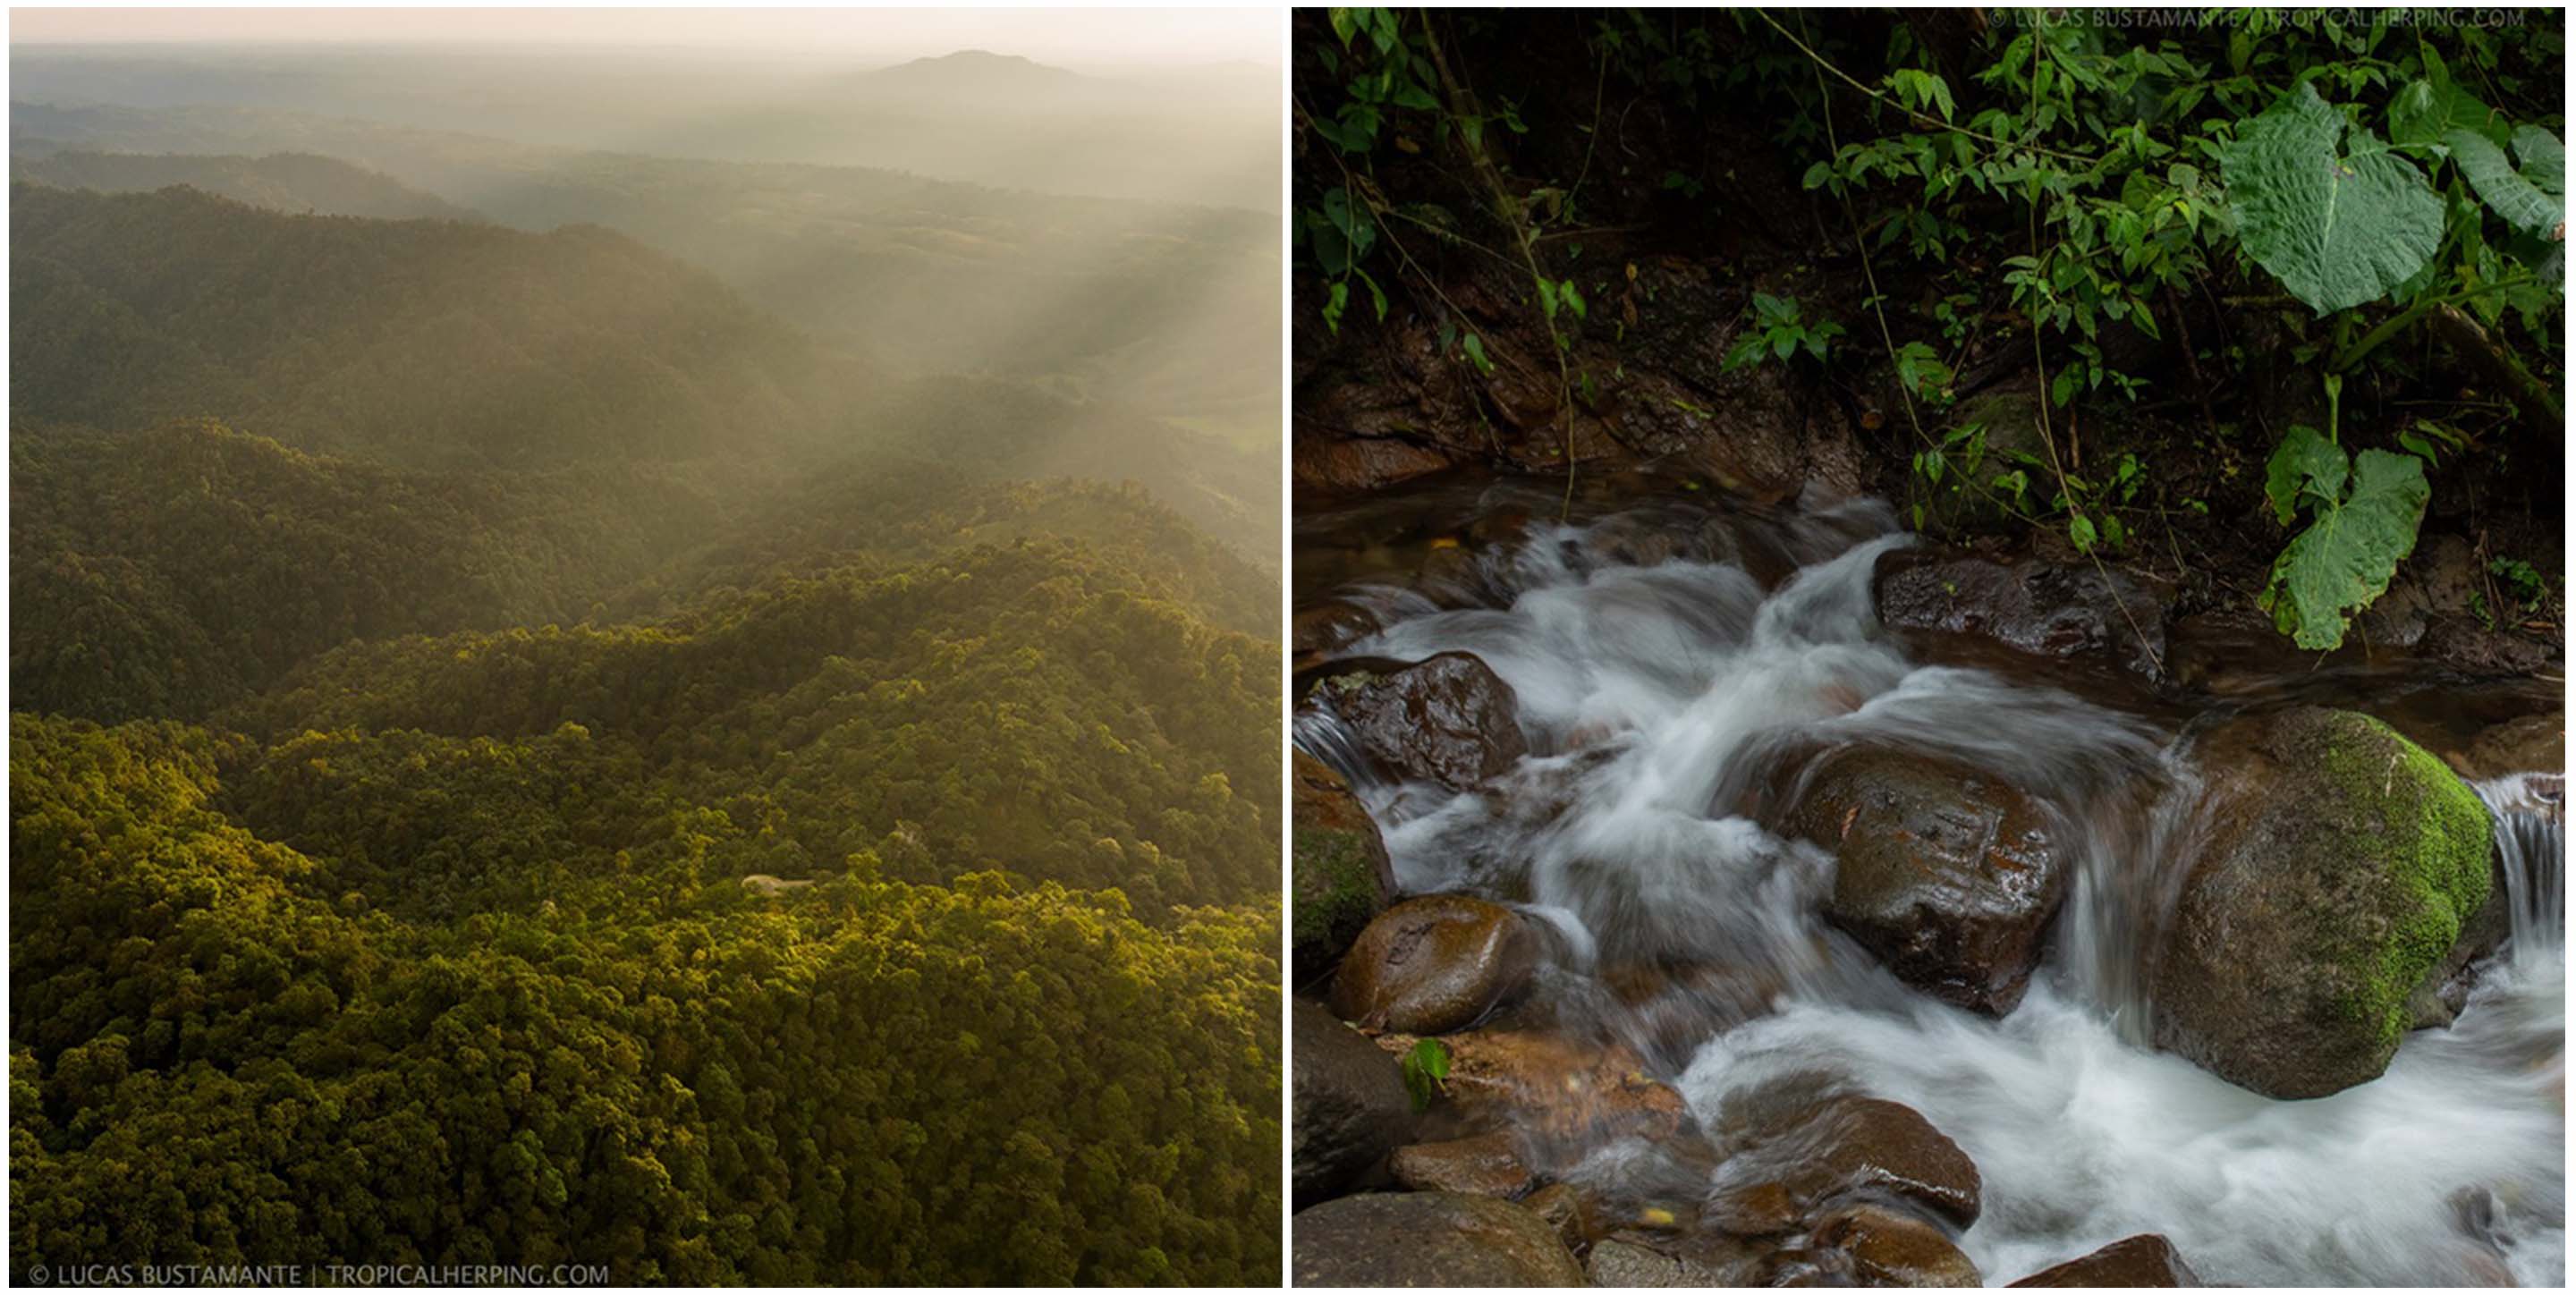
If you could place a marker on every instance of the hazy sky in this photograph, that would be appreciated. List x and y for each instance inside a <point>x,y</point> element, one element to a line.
<point>1085,37</point>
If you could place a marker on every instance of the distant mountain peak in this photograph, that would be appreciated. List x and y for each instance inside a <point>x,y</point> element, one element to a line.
<point>980,65</point>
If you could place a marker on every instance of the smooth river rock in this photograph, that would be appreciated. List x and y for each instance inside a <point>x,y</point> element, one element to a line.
<point>1434,964</point>
<point>2337,868</point>
<point>1487,1164</point>
<point>1347,1104</point>
<point>1796,1153</point>
<point>1427,1239</point>
<point>1447,719</point>
<point>2143,1260</point>
<point>1891,1247</point>
<point>1949,876</point>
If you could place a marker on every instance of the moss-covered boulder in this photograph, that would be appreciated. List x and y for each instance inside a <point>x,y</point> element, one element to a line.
<point>2336,863</point>
<point>1340,875</point>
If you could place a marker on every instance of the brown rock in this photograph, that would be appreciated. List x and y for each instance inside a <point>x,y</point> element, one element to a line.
<point>1891,1248</point>
<point>1426,1239</point>
<point>2529,744</point>
<point>1816,1151</point>
<point>1434,964</point>
<point>1347,1104</point>
<point>1355,466</point>
<point>1949,876</point>
<point>1562,1208</point>
<point>1326,628</point>
<point>1487,1164</point>
<point>1617,1262</point>
<point>1447,719</point>
<point>2035,607</point>
<point>2143,1260</point>
<point>1757,1209</point>
<point>1340,877</point>
<point>1552,1086</point>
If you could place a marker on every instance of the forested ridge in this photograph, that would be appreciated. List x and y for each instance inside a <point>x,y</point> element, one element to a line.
<point>523,758</point>
<point>292,182</point>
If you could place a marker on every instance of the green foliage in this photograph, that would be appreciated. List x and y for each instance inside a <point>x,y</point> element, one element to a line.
<point>2362,513</point>
<point>2340,223</point>
<point>2528,586</point>
<point>1426,1071</point>
<point>1774,330</point>
<point>2534,199</point>
<point>864,1082</point>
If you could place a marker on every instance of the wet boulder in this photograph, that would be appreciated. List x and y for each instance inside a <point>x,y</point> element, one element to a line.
<point>1340,876</point>
<point>2143,1260</point>
<point>1434,964</point>
<point>2337,865</point>
<point>1427,1239</point>
<point>1447,719</point>
<point>1797,1153</point>
<point>1552,1086</point>
<point>2039,608</point>
<point>1948,876</point>
<point>1319,631</point>
<point>2527,744</point>
<point>1487,1164</point>
<point>1891,1247</point>
<point>1347,1104</point>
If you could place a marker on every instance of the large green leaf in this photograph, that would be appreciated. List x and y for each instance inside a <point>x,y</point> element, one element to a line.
<point>2338,227</point>
<point>2544,159</point>
<point>2306,462</point>
<point>2521,199</point>
<point>2343,561</point>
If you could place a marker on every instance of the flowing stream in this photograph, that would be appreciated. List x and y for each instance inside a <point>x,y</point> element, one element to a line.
<point>1676,657</point>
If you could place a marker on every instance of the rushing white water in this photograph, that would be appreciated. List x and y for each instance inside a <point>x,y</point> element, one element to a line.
<point>1658,699</point>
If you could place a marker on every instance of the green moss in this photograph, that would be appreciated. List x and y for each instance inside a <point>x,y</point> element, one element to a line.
<point>2435,838</point>
<point>1347,684</point>
<point>1336,883</point>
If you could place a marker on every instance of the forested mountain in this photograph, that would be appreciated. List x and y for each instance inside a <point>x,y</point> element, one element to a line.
<point>171,571</point>
<point>291,182</point>
<point>432,343</point>
<point>437,344</point>
<point>525,756</point>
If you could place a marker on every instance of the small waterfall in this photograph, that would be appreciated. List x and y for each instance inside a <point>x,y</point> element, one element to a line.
<point>1320,733</point>
<point>2531,850</point>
